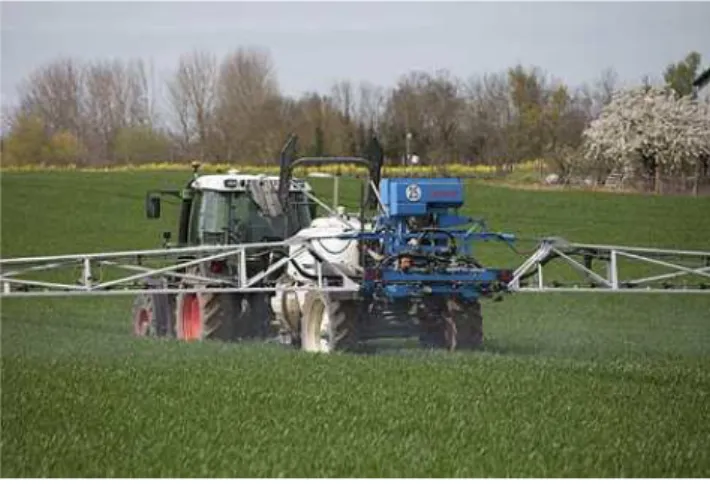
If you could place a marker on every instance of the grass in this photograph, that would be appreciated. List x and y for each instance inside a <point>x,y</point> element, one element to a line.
<point>568,386</point>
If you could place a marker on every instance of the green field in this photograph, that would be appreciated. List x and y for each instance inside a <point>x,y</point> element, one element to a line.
<point>567,386</point>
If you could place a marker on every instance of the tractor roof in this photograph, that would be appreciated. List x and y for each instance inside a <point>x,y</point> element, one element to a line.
<point>234,182</point>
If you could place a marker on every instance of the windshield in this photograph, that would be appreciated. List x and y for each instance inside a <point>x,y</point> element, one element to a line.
<point>214,213</point>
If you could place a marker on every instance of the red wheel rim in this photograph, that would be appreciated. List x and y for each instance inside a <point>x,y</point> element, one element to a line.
<point>142,322</point>
<point>190,323</point>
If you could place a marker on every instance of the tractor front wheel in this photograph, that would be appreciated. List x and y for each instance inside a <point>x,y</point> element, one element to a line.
<point>329,325</point>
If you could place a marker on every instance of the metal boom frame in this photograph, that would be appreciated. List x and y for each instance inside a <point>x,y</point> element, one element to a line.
<point>138,265</point>
<point>674,263</point>
<point>171,260</point>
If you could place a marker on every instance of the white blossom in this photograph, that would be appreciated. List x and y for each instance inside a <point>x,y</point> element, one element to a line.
<point>641,126</point>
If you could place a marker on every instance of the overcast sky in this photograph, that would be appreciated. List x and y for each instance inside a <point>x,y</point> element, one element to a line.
<point>314,44</point>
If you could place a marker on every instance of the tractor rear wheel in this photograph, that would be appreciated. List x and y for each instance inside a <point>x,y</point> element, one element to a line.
<point>153,315</point>
<point>329,325</point>
<point>464,325</point>
<point>222,316</point>
<point>431,328</point>
<point>207,315</point>
<point>451,323</point>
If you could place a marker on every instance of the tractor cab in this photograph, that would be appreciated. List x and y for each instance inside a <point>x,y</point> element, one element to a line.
<point>237,208</point>
<point>245,209</point>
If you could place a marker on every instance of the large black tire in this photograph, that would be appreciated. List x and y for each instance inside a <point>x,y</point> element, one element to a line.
<point>464,325</point>
<point>202,316</point>
<point>222,316</point>
<point>329,325</point>
<point>451,324</point>
<point>153,315</point>
<point>259,317</point>
<point>431,326</point>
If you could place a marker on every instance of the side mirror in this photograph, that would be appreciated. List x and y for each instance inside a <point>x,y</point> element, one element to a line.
<point>152,206</point>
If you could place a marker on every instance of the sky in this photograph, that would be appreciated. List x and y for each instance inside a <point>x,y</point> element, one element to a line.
<point>315,44</point>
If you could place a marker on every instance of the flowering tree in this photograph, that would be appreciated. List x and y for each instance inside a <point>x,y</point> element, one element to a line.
<point>649,131</point>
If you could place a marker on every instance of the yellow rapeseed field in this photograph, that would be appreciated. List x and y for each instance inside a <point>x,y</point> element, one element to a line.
<point>451,169</point>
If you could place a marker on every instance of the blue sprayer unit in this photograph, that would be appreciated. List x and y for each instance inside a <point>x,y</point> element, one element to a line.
<point>416,270</point>
<point>426,245</point>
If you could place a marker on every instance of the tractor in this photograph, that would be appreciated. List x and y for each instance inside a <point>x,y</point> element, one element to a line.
<point>224,209</point>
<point>228,209</point>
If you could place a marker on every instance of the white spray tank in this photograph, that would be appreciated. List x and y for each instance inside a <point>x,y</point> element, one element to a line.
<point>342,252</point>
<point>287,305</point>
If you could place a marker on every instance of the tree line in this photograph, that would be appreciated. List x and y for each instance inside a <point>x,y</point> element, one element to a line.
<point>232,110</point>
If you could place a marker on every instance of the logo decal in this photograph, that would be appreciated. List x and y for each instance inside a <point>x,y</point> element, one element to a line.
<point>413,193</point>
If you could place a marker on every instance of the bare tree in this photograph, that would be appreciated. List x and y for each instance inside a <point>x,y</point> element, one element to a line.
<point>342,118</point>
<point>138,93</point>
<point>343,97</point>
<point>444,105</point>
<point>54,93</point>
<point>604,89</point>
<point>371,103</point>
<point>247,92</point>
<point>430,106</point>
<point>485,118</point>
<point>116,97</point>
<point>192,98</point>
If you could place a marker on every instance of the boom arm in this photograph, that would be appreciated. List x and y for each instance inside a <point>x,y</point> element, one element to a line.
<point>628,270</point>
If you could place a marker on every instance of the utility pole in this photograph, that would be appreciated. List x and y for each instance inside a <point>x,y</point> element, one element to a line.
<point>408,148</point>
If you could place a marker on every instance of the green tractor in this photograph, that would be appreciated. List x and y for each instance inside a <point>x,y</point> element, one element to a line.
<point>222,209</point>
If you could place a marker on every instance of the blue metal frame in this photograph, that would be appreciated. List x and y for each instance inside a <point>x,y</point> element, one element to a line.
<point>445,243</point>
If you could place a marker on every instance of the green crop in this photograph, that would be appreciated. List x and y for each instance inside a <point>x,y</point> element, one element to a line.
<point>567,386</point>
